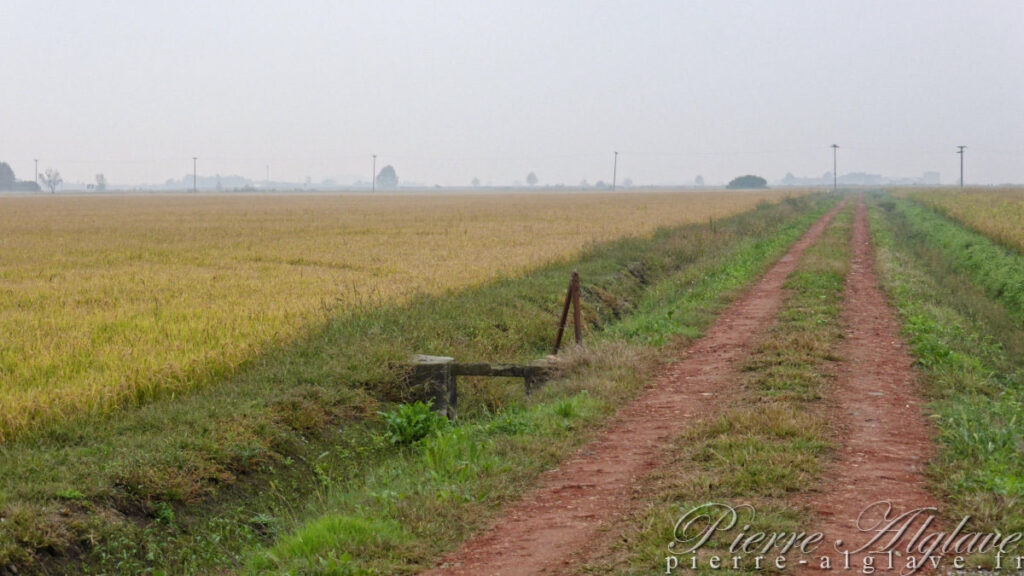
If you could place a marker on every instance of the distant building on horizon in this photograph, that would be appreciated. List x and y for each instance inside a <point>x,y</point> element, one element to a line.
<point>860,179</point>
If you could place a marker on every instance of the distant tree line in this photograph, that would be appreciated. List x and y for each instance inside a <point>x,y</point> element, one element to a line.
<point>8,182</point>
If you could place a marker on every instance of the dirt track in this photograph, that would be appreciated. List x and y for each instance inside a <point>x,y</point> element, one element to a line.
<point>541,533</point>
<point>886,440</point>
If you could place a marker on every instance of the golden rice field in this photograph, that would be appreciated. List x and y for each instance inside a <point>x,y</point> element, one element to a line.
<point>104,300</point>
<point>997,213</point>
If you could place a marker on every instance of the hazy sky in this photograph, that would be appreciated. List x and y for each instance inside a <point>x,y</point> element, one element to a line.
<point>448,91</point>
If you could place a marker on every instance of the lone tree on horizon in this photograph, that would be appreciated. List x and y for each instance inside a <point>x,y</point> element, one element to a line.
<point>747,182</point>
<point>51,179</point>
<point>387,177</point>
<point>531,179</point>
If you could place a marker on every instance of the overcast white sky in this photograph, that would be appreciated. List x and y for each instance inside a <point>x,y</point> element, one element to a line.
<point>448,91</point>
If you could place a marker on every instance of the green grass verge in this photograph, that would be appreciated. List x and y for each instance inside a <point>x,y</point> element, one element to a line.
<point>196,483</point>
<point>765,445</point>
<point>996,269</point>
<point>435,493</point>
<point>967,336</point>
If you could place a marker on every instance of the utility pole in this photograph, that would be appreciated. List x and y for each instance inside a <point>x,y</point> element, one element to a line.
<point>373,175</point>
<point>37,170</point>
<point>194,179</point>
<point>268,173</point>
<point>835,173</point>
<point>615,170</point>
<point>960,151</point>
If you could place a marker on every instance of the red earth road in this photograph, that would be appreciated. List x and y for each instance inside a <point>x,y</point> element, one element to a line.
<point>559,518</point>
<point>886,441</point>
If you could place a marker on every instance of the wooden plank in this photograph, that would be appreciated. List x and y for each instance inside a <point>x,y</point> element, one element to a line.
<point>435,377</point>
<point>491,369</point>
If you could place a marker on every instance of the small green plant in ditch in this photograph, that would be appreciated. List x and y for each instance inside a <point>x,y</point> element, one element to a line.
<point>409,423</point>
<point>162,512</point>
<point>70,494</point>
<point>565,408</point>
<point>456,457</point>
<point>510,422</point>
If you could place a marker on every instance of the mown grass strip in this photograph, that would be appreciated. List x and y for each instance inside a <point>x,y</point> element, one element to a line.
<point>764,446</point>
<point>970,347</point>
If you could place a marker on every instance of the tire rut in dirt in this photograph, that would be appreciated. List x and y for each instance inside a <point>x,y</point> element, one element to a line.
<point>885,439</point>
